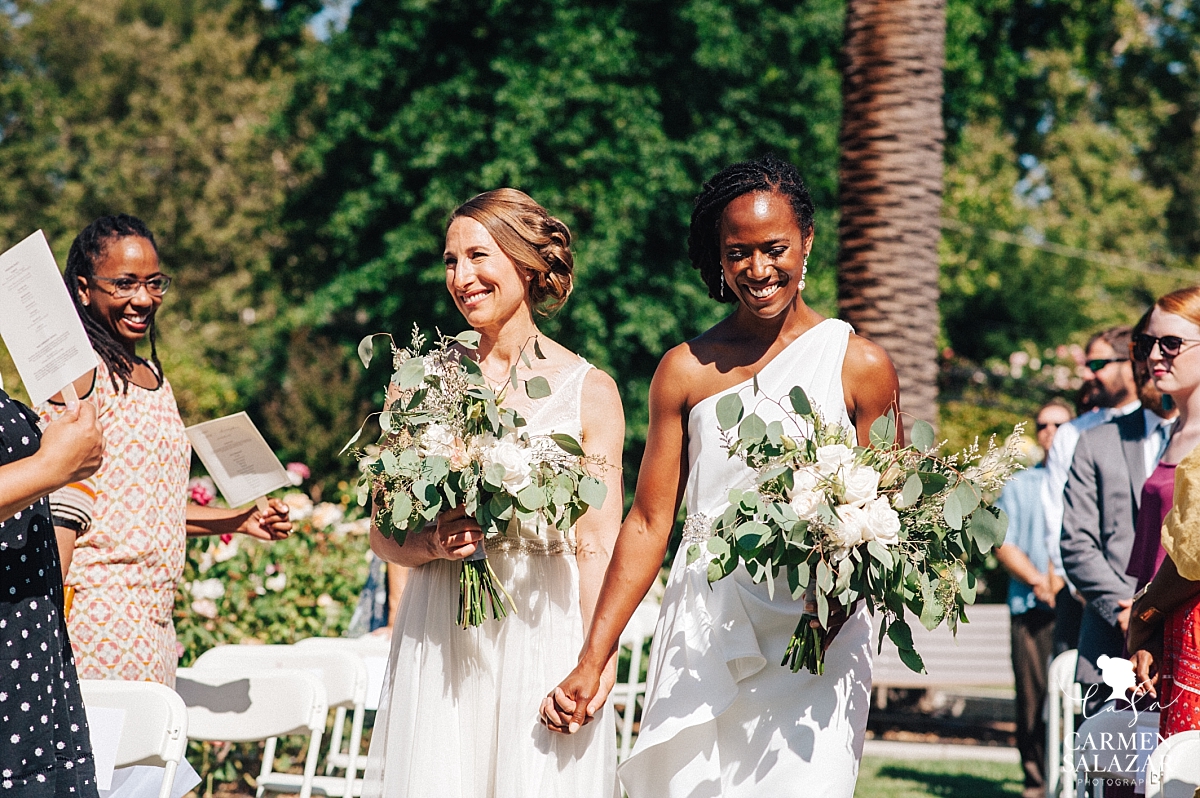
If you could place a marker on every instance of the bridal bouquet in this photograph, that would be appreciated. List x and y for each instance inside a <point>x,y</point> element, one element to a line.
<point>446,441</point>
<point>896,526</point>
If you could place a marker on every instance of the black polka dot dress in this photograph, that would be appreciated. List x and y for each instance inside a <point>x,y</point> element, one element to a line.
<point>45,750</point>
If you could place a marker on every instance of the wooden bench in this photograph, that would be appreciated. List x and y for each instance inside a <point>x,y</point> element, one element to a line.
<point>978,657</point>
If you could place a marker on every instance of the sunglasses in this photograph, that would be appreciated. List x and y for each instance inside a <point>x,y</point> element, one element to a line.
<point>1041,425</point>
<point>1169,345</point>
<point>1101,362</point>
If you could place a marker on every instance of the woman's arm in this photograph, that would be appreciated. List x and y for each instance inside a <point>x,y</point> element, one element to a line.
<point>871,387</point>
<point>273,525</point>
<point>71,449</point>
<point>639,549</point>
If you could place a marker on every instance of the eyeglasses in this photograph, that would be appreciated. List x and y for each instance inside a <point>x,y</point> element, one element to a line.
<point>127,287</point>
<point>1101,362</point>
<point>1041,425</point>
<point>1169,345</point>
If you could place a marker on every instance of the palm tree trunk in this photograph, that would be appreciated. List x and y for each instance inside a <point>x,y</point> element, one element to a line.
<point>891,185</point>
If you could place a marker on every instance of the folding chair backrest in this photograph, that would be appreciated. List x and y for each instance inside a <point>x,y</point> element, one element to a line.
<point>343,674</point>
<point>1108,743</point>
<point>1174,767</point>
<point>1062,706</point>
<point>156,719</point>
<point>251,703</point>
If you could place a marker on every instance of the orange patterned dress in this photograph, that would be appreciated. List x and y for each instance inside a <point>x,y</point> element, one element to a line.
<point>128,563</point>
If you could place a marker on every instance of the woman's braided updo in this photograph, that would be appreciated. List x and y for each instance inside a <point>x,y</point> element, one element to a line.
<point>538,243</point>
<point>86,251</point>
<point>769,174</point>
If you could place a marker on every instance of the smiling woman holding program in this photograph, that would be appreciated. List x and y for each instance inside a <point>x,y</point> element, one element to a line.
<point>122,533</point>
<point>722,716</point>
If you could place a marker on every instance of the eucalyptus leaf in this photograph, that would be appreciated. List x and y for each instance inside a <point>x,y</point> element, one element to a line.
<point>933,483</point>
<point>531,497</point>
<point>366,349</point>
<point>693,553</point>
<point>883,431</point>
<point>401,509</point>
<point>900,634</point>
<point>567,444</point>
<point>470,366</point>
<point>823,609</point>
<point>752,428</point>
<point>468,339</point>
<point>799,400</point>
<point>729,411</point>
<point>952,511</point>
<point>410,374</point>
<point>922,435</point>
<point>912,659</point>
<point>968,497</point>
<point>537,349</point>
<point>391,465</point>
<point>911,493</point>
<point>987,530</point>
<point>537,388</point>
<point>592,491</point>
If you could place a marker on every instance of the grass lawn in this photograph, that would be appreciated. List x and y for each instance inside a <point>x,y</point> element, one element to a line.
<point>955,778</point>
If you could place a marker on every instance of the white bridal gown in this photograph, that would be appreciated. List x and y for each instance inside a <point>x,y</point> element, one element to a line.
<point>723,717</point>
<point>459,713</point>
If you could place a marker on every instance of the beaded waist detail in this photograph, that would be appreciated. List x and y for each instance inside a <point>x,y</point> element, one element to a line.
<point>530,545</point>
<point>697,528</point>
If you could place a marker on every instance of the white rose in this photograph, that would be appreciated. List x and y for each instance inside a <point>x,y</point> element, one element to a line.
<point>516,459</point>
<point>883,523</point>
<point>851,526</point>
<point>326,514</point>
<point>207,589</point>
<point>438,440</point>
<point>205,607</point>
<point>805,498</point>
<point>834,457</point>
<point>860,484</point>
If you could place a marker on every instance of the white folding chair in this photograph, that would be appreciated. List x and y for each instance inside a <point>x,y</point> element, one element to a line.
<point>155,728</point>
<point>374,651</point>
<point>1174,768</point>
<point>630,692</point>
<point>252,706</point>
<point>344,675</point>
<point>1110,745</point>
<point>1064,700</point>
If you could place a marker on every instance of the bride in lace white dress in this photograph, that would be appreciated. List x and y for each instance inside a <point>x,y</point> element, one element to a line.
<point>459,715</point>
<point>722,716</point>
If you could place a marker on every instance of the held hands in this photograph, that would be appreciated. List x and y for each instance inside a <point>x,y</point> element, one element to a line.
<point>73,444</point>
<point>838,615</point>
<point>272,525</point>
<point>572,705</point>
<point>1046,588</point>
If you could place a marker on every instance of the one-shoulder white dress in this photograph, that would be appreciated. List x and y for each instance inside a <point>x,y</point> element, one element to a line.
<point>459,714</point>
<point>723,717</point>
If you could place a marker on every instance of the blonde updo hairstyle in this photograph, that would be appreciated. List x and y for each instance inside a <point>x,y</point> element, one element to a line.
<point>538,243</point>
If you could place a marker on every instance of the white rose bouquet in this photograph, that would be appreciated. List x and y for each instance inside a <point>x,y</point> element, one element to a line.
<point>896,526</point>
<point>446,441</point>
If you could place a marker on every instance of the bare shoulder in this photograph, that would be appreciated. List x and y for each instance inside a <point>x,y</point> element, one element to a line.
<point>866,361</point>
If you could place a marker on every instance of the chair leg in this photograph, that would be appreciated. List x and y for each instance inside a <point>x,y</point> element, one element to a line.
<point>168,780</point>
<point>268,764</point>
<point>335,740</point>
<point>356,725</point>
<point>310,764</point>
<point>1054,743</point>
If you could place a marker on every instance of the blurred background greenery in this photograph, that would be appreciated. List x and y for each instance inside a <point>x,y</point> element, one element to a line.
<point>297,161</point>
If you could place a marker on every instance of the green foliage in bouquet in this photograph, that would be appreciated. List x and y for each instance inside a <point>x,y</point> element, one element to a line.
<point>447,442</point>
<point>896,526</point>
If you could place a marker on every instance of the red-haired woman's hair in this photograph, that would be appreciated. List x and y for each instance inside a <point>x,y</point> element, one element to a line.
<point>1184,303</point>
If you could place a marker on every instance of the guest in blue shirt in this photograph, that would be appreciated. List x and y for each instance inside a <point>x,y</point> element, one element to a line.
<point>1032,587</point>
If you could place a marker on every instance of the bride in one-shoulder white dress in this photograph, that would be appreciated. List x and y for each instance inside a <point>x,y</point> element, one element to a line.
<point>723,717</point>
<point>721,713</point>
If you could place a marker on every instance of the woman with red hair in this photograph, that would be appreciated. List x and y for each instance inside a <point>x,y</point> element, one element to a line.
<point>1164,629</point>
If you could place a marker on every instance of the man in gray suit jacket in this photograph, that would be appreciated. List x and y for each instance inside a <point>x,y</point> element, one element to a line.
<point>1104,490</point>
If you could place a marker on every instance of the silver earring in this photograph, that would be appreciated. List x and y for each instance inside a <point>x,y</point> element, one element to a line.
<point>722,289</point>
<point>803,274</point>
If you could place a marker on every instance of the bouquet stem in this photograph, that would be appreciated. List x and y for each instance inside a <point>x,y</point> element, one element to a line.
<point>478,589</point>
<point>806,648</point>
